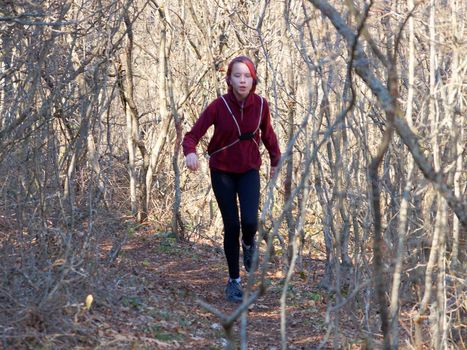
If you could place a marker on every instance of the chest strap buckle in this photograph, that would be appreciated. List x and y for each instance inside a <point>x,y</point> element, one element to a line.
<point>247,136</point>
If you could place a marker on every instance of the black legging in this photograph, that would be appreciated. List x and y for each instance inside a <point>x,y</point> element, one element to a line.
<point>226,187</point>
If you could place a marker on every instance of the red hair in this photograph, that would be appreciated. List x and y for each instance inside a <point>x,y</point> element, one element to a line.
<point>251,67</point>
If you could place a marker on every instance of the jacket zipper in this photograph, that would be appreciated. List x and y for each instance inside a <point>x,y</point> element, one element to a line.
<point>241,111</point>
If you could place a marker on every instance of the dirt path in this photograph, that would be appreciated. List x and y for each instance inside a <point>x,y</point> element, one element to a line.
<point>155,284</point>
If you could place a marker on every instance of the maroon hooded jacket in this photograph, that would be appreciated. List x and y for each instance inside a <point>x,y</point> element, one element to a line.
<point>243,155</point>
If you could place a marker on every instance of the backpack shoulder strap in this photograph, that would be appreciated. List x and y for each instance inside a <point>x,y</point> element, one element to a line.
<point>231,113</point>
<point>260,114</point>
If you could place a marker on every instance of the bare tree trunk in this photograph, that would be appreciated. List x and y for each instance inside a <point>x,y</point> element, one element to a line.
<point>93,157</point>
<point>291,110</point>
<point>289,178</point>
<point>418,319</point>
<point>177,223</point>
<point>69,190</point>
<point>157,144</point>
<point>290,272</point>
<point>378,242</point>
<point>139,207</point>
<point>130,143</point>
<point>404,206</point>
<point>6,92</point>
<point>441,323</point>
<point>343,183</point>
<point>323,196</point>
<point>459,244</point>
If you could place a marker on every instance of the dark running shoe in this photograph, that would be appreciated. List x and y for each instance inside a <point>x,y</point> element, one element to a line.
<point>233,292</point>
<point>248,254</point>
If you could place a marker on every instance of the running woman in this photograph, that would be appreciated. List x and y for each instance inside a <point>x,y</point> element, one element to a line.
<point>241,121</point>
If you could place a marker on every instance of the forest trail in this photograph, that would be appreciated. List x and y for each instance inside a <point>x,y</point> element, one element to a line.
<point>153,289</point>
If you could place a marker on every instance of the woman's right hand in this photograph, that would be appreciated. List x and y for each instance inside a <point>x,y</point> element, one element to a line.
<point>191,161</point>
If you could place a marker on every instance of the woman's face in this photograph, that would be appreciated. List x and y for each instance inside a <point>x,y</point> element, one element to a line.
<point>241,80</point>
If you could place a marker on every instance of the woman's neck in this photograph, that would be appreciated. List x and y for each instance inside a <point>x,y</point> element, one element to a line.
<point>240,99</point>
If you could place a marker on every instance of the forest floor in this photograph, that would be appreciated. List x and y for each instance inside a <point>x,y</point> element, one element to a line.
<point>152,293</point>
